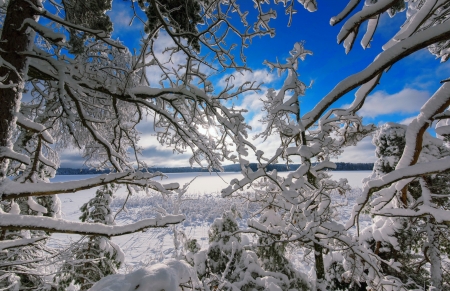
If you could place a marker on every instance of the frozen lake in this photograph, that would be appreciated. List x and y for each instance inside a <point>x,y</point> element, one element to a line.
<point>203,184</point>
<point>206,183</point>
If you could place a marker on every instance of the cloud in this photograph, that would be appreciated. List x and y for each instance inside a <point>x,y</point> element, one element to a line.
<point>404,102</point>
<point>154,73</point>
<point>121,16</point>
<point>408,120</point>
<point>121,19</point>
<point>259,76</point>
<point>363,152</point>
<point>71,158</point>
<point>155,155</point>
<point>169,60</point>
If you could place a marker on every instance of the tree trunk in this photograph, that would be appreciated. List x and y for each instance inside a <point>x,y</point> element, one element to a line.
<point>320,268</point>
<point>13,41</point>
<point>434,255</point>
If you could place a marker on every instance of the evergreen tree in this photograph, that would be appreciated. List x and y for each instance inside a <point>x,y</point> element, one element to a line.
<point>271,253</point>
<point>94,257</point>
<point>184,14</point>
<point>89,14</point>
<point>227,264</point>
<point>409,241</point>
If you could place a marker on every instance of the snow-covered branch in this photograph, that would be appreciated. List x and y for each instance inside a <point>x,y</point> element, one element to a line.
<point>7,244</point>
<point>417,170</point>
<point>10,154</point>
<point>438,103</point>
<point>15,221</point>
<point>33,126</point>
<point>384,60</point>
<point>10,189</point>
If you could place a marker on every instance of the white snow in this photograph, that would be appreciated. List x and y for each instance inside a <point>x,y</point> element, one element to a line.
<point>6,152</point>
<point>61,225</point>
<point>167,276</point>
<point>33,126</point>
<point>36,206</point>
<point>144,249</point>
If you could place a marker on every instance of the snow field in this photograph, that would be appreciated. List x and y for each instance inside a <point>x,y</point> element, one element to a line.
<point>154,245</point>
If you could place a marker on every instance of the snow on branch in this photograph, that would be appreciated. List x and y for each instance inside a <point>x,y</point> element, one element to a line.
<point>435,105</point>
<point>6,152</point>
<point>26,123</point>
<point>384,60</point>
<point>352,24</point>
<point>16,221</point>
<point>349,8</point>
<point>7,244</point>
<point>397,175</point>
<point>98,33</point>
<point>10,189</point>
<point>47,33</point>
<point>440,215</point>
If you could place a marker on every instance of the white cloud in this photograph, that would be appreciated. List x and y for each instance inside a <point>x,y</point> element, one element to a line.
<point>404,102</point>
<point>258,76</point>
<point>408,120</point>
<point>363,152</point>
<point>154,73</point>
<point>147,140</point>
<point>171,61</point>
<point>121,16</point>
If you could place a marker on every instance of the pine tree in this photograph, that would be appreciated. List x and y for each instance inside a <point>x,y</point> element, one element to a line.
<point>185,19</point>
<point>89,14</point>
<point>227,264</point>
<point>94,257</point>
<point>272,253</point>
<point>410,241</point>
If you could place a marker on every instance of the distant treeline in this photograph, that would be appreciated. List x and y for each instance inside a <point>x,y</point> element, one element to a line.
<point>229,168</point>
<point>83,171</point>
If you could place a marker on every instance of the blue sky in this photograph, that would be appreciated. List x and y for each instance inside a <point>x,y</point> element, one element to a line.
<point>398,97</point>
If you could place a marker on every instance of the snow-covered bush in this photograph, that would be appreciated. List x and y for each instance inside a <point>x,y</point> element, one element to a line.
<point>168,276</point>
<point>227,264</point>
<point>272,252</point>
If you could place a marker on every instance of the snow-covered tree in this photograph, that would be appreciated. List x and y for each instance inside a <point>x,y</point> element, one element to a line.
<point>94,257</point>
<point>323,132</point>
<point>228,265</point>
<point>413,242</point>
<point>272,252</point>
<point>94,97</point>
<point>303,198</point>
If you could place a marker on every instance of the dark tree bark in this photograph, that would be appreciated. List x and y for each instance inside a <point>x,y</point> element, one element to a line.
<point>320,266</point>
<point>13,41</point>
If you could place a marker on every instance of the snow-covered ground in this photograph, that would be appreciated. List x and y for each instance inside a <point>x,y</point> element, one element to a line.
<point>204,205</point>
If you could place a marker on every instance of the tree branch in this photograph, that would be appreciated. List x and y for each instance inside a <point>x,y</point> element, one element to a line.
<point>20,222</point>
